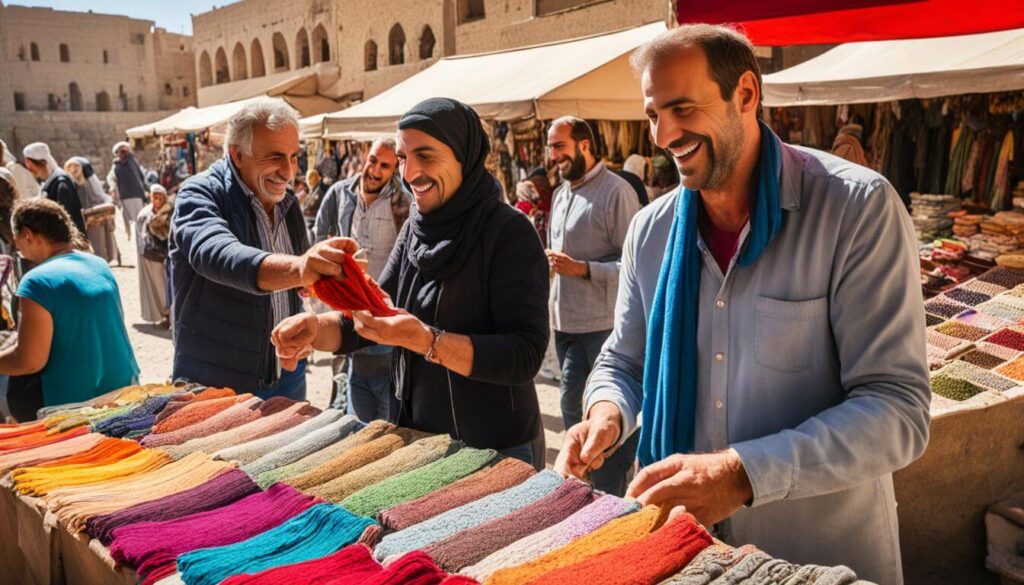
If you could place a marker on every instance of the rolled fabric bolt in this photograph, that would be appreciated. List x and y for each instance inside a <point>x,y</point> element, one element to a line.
<point>351,460</point>
<point>38,439</point>
<point>253,450</point>
<point>181,400</point>
<point>31,457</point>
<point>651,558</point>
<point>710,564</point>
<point>233,416</point>
<point>418,482</point>
<point>616,533</point>
<point>352,565</point>
<point>263,426</point>
<point>29,481</point>
<point>374,430</point>
<point>506,473</point>
<point>196,411</point>
<point>315,532</point>
<point>473,514</point>
<point>298,446</point>
<point>152,547</point>
<point>471,545</point>
<point>222,490</point>
<point>412,456</point>
<point>602,511</point>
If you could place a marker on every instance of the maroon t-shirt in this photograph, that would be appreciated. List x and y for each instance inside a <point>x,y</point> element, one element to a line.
<point>721,243</point>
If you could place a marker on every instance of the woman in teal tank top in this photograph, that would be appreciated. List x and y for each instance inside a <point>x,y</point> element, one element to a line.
<point>71,330</point>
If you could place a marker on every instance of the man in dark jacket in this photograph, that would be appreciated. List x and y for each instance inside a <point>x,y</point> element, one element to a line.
<point>238,252</point>
<point>471,279</point>
<point>57,185</point>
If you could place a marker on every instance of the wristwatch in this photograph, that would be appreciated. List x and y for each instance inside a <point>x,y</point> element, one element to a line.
<point>431,355</point>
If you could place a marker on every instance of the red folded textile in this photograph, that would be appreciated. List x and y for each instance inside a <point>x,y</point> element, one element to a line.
<point>358,292</point>
<point>650,559</point>
<point>352,565</point>
<point>413,568</point>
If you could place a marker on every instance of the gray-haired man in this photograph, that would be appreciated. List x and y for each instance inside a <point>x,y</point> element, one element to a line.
<point>238,251</point>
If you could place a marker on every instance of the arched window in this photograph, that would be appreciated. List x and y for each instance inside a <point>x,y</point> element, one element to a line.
<point>205,70</point>
<point>302,47</point>
<point>259,66</point>
<point>280,53</point>
<point>321,48</point>
<point>75,97</point>
<point>65,54</point>
<point>427,43</point>
<point>34,50</point>
<point>238,62</point>
<point>103,102</point>
<point>370,56</point>
<point>396,45</point>
<point>222,75</point>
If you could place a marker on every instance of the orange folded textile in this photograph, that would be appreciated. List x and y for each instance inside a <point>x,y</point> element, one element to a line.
<point>38,439</point>
<point>109,450</point>
<point>39,481</point>
<point>194,412</point>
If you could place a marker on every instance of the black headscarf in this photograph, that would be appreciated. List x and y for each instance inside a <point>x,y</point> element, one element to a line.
<point>440,242</point>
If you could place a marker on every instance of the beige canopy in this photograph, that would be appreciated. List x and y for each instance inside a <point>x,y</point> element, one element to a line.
<point>304,92</point>
<point>879,71</point>
<point>588,77</point>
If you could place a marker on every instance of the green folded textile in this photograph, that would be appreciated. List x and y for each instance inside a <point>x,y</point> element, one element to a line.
<point>412,456</point>
<point>369,501</point>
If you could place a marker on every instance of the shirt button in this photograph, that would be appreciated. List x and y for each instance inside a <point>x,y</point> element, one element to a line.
<point>719,303</point>
<point>719,357</point>
<point>719,404</point>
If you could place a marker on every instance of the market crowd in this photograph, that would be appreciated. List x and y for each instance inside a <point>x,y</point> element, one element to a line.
<point>752,339</point>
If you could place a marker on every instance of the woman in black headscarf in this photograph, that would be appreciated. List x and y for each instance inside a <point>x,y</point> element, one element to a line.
<point>470,276</point>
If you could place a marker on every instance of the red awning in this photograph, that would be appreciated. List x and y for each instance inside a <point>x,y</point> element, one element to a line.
<point>806,22</point>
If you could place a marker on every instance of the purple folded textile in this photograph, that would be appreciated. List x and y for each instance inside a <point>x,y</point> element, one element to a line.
<point>222,490</point>
<point>153,547</point>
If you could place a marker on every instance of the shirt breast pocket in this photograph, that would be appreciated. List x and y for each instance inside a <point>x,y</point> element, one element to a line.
<point>787,334</point>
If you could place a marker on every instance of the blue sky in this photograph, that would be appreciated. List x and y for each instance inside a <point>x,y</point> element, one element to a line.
<point>173,15</point>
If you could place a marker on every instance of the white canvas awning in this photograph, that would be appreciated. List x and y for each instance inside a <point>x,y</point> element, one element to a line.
<point>588,77</point>
<point>215,118</point>
<point>880,71</point>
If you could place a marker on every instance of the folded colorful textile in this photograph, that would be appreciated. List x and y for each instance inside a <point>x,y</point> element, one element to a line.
<point>352,565</point>
<point>368,433</point>
<point>298,446</point>
<point>473,514</point>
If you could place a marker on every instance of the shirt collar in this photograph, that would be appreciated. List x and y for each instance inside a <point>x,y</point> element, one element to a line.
<point>591,174</point>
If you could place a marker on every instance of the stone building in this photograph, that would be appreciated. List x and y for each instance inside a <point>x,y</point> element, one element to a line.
<point>375,44</point>
<point>77,80</point>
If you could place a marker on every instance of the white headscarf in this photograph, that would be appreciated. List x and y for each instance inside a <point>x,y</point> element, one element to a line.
<point>40,151</point>
<point>96,196</point>
<point>121,145</point>
<point>8,157</point>
<point>636,164</point>
<point>7,176</point>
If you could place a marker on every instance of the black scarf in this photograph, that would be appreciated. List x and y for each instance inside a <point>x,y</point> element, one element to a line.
<point>130,182</point>
<point>441,241</point>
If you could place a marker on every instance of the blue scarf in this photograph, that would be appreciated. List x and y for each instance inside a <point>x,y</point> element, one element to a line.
<point>670,366</point>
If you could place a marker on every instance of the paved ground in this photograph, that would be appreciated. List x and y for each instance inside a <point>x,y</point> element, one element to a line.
<point>154,351</point>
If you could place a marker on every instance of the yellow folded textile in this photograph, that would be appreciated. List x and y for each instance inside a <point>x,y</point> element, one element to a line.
<point>75,505</point>
<point>39,481</point>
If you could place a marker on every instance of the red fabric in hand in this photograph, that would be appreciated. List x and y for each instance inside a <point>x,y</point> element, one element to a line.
<point>357,292</point>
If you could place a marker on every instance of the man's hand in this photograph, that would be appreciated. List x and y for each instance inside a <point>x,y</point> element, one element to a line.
<point>566,266</point>
<point>324,260</point>
<point>711,486</point>
<point>586,443</point>
<point>293,339</point>
<point>402,330</point>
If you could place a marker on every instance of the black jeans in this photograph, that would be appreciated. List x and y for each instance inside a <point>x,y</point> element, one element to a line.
<point>577,353</point>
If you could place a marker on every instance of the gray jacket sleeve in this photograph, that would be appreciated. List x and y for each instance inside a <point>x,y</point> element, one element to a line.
<point>326,225</point>
<point>877,318</point>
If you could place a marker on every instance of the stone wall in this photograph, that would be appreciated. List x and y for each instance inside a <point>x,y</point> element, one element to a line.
<point>88,134</point>
<point>175,70</point>
<point>517,23</point>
